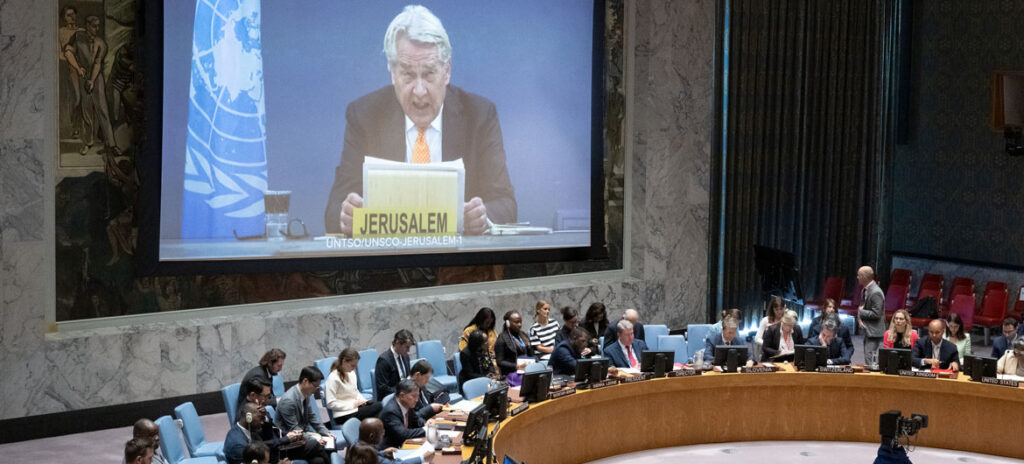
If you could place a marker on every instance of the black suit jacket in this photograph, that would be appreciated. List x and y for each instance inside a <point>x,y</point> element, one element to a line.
<point>611,334</point>
<point>374,125</point>
<point>772,336</point>
<point>386,374</point>
<point>815,329</point>
<point>395,431</point>
<point>260,373</point>
<point>923,350</point>
<point>838,352</point>
<point>506,350</point>
<point>999,346</point>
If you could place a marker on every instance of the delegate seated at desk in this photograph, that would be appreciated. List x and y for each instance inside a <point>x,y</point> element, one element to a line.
<point>839,353</point>
<point>420,118</point>
<point>780,340</point>
<point>399,416</point>
<point>728,337</point>
<point>934,351</point>
<point>625,352</point>
<point>1012,363</point>
<point>563,360</point>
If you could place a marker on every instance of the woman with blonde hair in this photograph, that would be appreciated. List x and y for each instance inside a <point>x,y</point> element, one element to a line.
<point>900,333</point>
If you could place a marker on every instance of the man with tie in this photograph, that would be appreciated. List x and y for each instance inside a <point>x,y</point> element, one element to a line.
<point>871,314</point>
<point>428,404</point>
<point>393,365</point>
<point>625,352</point>
<point>420,118</point>
<point>399,416</point>
<point>935,352</point>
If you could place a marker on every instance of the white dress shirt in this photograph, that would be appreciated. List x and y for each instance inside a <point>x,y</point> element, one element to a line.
<point>432,134</point>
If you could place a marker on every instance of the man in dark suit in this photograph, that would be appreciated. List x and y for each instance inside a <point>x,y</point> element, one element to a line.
<point>842,332</point>
<point>563,360</point>
<point>839,353</point>
<point>871,314</point>
<point>270,365</point>
<point>429,403</point>
<point>252,426</point>
<point>399,416</point>
<point>295,412</point>
<point>393,364</point>
<point>420,118</point>
<point>934,352</point>
<point>1004,342</point>
<point>612,332</point>
<point>730,329</point>
<point>371,432</point>
<point>625,352</point>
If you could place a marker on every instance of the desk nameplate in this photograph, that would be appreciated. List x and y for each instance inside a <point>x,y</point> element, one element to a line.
<point>603,383</point>
<point>923,374</point>
<point>758,370</point>
<point>561,393</point>
<point>1000,382</point>
<point>836,369</point>
<point>635,378</point>
<point>519,409</point>
<point>685,373</point>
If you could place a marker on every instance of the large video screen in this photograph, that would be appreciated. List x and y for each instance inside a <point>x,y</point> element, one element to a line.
<point>337,129</point>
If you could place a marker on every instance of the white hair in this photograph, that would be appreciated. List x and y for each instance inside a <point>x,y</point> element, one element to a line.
<point>417,23</point>
<point>789,316</point>
<point>624,325</point>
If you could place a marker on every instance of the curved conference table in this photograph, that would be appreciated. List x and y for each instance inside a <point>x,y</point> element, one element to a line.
<point>721,408</point>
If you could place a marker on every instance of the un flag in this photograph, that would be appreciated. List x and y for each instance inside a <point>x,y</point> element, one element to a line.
<point>225,159</point>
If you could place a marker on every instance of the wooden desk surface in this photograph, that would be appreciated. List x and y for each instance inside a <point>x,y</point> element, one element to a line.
<point>721,408</point>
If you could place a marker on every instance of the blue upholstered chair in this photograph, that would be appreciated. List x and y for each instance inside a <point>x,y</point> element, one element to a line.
<point>695,335</point>
<point>364,373</point>
<point>278,386</point>
<point>195,436</point>
<point>432,351</point>
<point>651,334</point>
<point>475,388</point>
<point>171,446</point>
<point>230,396</point>
<point>676,343</point>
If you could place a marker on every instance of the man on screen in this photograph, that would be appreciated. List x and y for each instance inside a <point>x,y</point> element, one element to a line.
<point>420,118</point>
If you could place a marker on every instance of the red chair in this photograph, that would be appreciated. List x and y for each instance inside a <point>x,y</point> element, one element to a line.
<point>849,307</point>
<point>993,310</point>
<point>895,299</point>
<point>963,305</point>
<point>933,290</point>
<point>963,289</point>
<point>834,289</point>
<point>994,285</point>
<point>1018,306</point>
<point>900,277</point>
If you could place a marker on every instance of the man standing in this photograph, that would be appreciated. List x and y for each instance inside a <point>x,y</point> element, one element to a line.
<point>393,365</point>
<point>89,51</point>
<point>871,314</point>
<point>420,118</point>
<point>934,352</point>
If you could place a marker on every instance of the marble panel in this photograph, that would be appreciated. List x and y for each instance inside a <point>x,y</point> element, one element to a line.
<point>21,189</point>
<point>25,26</point>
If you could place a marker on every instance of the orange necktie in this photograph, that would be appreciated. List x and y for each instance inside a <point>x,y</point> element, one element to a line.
<point>420,150</point>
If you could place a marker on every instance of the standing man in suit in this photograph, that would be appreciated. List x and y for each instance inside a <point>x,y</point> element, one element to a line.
<point>393,365</point>
<point>420,118</point>
<point>295,412</point>
<point>839,353</point>
<point>612,332</point>
<point>1003,343</point>
<point>871,314</point>
<point>729,336</point>
<point>935,352</point>
<point>399,416</point>
<point>625,351</point>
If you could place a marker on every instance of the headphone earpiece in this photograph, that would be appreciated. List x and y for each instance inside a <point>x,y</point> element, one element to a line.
<point>507,323</point>
<point>248,418</point>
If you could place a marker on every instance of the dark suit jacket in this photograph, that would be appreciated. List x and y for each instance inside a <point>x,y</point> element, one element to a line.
<point>873,312</point>
<point>618,358</point>
<point>711,342</point>
<point>395,431</point>
<point>843,333</point>
<point>838,352</point>
<point>386,373</point>
<point>563,359</point>
<point>423,408</point>
<point>235,442</point>
<point>772,337</point>
<point>506,350</point>
<point>923,350</point>
<point>260,373</point>
<point>374,125</point>
<point>999,346</point>
<point>611,334</point>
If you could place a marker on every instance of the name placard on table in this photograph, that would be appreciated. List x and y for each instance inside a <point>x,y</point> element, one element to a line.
<point>519,409</point>
<point>685,372</point>
<point>758,370</point>
<point>1001,382</point>
<point>635,378</point>
<point>603,383</point>
<point>836,369</point>
<point>924,374</point>
<point>561,393</point>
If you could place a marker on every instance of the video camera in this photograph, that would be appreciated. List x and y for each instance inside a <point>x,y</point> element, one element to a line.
<point>893,426</point>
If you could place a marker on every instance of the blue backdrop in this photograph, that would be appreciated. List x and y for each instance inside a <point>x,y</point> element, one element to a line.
<point>531,58</point>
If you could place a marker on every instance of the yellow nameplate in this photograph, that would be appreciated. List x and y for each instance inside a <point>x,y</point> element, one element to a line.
<point>403,222</point>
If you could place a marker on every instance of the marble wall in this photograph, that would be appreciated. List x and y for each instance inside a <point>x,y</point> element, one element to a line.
<point>671,79</point>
